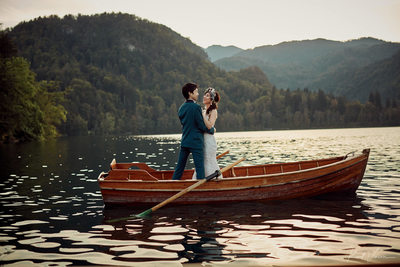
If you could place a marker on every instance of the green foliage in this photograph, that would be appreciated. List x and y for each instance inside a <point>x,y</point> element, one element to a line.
<point>49,101</point>
<point>121,74</point>
<point>29,109</point>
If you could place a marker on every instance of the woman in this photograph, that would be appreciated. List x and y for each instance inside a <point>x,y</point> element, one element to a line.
<point>210,114</point>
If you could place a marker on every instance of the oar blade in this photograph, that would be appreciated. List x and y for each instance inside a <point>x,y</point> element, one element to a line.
<point>144,214</point>
<point>121,219</point>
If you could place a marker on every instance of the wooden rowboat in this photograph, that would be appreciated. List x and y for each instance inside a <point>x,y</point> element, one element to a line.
<point>144,185</point>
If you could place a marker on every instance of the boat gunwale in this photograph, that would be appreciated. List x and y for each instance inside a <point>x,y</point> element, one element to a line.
<point>360,158</point>
<point>339,160</point>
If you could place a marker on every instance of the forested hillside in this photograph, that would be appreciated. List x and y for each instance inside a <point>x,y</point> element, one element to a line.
<point>382,76</point>
<point>125,74</point>
<point>334,67</point>
<point>122,74</point>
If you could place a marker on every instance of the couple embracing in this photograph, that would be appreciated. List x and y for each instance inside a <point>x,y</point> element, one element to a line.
<point>198,132</point>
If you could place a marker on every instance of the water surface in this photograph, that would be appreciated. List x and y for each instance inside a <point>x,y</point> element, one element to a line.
<point>53,214</point>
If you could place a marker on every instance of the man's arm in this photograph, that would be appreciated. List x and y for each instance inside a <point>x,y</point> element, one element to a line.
<point>200,121</point>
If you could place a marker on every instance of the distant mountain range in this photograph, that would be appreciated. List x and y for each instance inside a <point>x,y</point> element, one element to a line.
<point>216,52</point>
<point>353,68</point>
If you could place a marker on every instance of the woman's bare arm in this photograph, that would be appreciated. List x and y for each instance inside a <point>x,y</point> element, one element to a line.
<point>213,117</point>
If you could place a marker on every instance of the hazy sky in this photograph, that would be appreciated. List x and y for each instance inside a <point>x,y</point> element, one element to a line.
<point>243,23</point>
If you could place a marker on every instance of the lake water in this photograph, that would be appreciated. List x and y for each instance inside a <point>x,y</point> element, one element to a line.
<point>52,213</point>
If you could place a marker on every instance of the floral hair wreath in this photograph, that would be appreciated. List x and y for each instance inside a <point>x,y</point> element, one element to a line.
<point>211,91</point>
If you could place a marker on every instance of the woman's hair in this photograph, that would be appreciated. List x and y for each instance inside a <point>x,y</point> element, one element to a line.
<point>215,98</point>
<point>189,87</point>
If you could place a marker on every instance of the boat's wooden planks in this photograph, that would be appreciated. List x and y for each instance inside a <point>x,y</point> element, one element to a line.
<point>259,182</point>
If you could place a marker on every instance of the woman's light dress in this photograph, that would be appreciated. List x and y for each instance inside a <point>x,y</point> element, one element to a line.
<point>210,154</point>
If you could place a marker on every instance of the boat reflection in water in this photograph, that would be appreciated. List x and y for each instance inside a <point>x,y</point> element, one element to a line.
<point>268,231</point>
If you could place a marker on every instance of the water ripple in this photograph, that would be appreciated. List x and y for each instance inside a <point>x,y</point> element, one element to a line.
<point>53,214</point>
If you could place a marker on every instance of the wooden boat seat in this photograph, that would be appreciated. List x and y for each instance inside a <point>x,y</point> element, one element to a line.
<point>127,174</point>
<point>138,165</point>
<point>162,175</point>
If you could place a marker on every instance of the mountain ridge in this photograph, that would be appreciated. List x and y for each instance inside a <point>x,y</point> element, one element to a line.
<point>304,64</point>
<point>216,52</point>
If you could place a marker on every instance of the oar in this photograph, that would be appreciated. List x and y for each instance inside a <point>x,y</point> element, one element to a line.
<point>184,191</point>
<point>222,154</point>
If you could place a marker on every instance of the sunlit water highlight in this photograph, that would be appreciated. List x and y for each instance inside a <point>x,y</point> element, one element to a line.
<point>53,214</point>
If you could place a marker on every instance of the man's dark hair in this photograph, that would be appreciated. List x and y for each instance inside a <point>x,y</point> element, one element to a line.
<point>189,87</point>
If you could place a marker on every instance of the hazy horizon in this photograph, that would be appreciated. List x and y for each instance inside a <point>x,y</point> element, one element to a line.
<point>245,24</point>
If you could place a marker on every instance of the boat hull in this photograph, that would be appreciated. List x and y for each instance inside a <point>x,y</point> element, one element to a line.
<point>342,175</point>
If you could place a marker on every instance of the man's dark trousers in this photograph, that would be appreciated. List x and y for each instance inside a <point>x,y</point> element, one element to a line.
<point>198,159</point>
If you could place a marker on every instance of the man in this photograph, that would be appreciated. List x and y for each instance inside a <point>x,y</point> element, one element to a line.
<point>193,128</point>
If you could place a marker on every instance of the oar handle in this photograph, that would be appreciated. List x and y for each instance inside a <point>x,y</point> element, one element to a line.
<point>215,174</point>
<point>222,154</point>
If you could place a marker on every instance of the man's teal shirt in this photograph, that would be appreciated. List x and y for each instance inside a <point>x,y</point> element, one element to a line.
<point>193,125</point>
